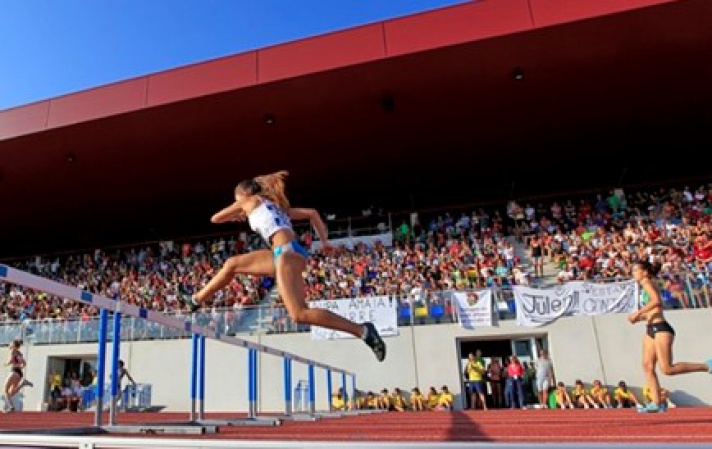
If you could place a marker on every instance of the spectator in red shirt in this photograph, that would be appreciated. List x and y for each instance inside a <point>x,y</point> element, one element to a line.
<point>515,383</point>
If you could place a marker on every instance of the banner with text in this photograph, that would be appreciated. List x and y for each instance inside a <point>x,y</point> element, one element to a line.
<point>474,309</point>
<point>382,311</point>
<point>536,307</point>
<point>350,242</point>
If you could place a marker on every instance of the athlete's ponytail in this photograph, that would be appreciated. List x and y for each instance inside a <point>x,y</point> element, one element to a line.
<point>269,186</point>
<point>273,188</point>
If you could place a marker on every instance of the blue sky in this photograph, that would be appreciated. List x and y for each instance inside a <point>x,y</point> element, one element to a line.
<point>53,47</point>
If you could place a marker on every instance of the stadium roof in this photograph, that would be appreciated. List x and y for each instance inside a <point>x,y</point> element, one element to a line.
<point>461,101</point>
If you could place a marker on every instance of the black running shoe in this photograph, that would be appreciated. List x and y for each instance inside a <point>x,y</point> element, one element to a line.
<point>374,341</point>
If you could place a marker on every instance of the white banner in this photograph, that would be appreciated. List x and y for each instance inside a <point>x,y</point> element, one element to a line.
<point>350,242</point>
<point>382,311</point>
<point>541,306</point>
<point>474,309</point>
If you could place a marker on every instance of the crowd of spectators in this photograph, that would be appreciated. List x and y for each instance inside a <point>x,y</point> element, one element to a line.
<point>585,238</point>
<point>601,239</point>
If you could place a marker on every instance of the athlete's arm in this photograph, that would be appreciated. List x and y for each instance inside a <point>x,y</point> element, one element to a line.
<point>128,376</point>
<point>313,216</point>
<point>654,300</point>
<point>231,213</point>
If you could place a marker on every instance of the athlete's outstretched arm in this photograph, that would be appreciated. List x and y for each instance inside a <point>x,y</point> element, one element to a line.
<point>313,216</point>
<point>231,213</point>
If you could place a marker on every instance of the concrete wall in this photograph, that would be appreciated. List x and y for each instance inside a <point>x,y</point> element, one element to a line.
<point>604,347</point>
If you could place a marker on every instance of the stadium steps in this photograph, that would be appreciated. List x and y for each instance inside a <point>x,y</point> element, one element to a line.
<point>550,271</point>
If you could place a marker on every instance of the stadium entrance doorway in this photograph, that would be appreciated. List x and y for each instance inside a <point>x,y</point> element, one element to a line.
<point>61,371</point>
<point>526,348</point>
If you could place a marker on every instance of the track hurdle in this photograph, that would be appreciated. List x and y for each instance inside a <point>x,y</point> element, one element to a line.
<point>196,424</point>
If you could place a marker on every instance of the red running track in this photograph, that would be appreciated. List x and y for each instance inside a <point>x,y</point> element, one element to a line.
<point>680,425</point>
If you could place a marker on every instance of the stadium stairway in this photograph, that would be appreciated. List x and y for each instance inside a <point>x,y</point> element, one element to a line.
<point>521,252</point>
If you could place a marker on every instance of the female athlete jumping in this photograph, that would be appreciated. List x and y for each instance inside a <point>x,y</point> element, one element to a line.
<point>263,203</point>
<point>657,343</point>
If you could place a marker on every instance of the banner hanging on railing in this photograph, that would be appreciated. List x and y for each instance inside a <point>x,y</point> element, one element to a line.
<point>474,309</point>
<point>536,306</point>
<point>350,242</point>
<point>382,311</point>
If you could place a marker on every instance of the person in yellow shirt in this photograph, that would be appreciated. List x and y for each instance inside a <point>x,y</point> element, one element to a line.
<point>337,401</point>
<point>433,399</point>
<point>400,404</point>
<point>371,401</point>
<point>445,400</point>
<point>600,394</point>
<point>384,400</point>
<point>563,399</point>
<point>416,400</point>
<point>474,373</point>
<point>55,380</point>
<point>581,397</point>
<point>624,397</point>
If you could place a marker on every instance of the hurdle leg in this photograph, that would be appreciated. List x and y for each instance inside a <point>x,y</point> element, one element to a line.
<point>193,376</point>
<point>101,367</point>
<point>115,354</point>
<point>287,386</point>
<point>252,418</point>
<point>201,384</point>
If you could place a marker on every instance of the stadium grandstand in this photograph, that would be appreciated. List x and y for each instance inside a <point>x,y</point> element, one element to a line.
<point>471,156</point>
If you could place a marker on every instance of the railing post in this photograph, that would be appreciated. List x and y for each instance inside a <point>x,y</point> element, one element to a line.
<point>329,387</point>
<point>343,388</point>
<point>693,299</point>
<point>411,304</point>
<point>353,385</point>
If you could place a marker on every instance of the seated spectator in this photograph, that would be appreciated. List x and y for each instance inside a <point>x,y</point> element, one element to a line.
<point>445,400</point>
<point>563,399</point>
<point>432,399</point>
<point>57,401</point>
<point>385,401</point>
<point>416,400</point>
<point>69,398</point>
<point>624,397</point>
<point>357,401</point>
<point>372,401</point>
<point>337,401</point>
<point>581,397</point>
<point>600,394</point>
<point>400,404</point>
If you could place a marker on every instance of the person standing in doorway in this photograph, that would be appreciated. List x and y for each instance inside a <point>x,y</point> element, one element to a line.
<point>544,377</point>
<point>475,374</point>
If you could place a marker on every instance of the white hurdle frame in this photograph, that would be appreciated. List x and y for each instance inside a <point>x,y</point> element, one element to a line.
<point>118,308</point>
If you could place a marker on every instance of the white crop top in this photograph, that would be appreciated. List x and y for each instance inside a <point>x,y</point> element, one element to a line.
<point>267,218</point>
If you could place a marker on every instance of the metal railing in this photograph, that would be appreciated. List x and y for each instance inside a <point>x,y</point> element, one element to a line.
<point>425,308</point>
